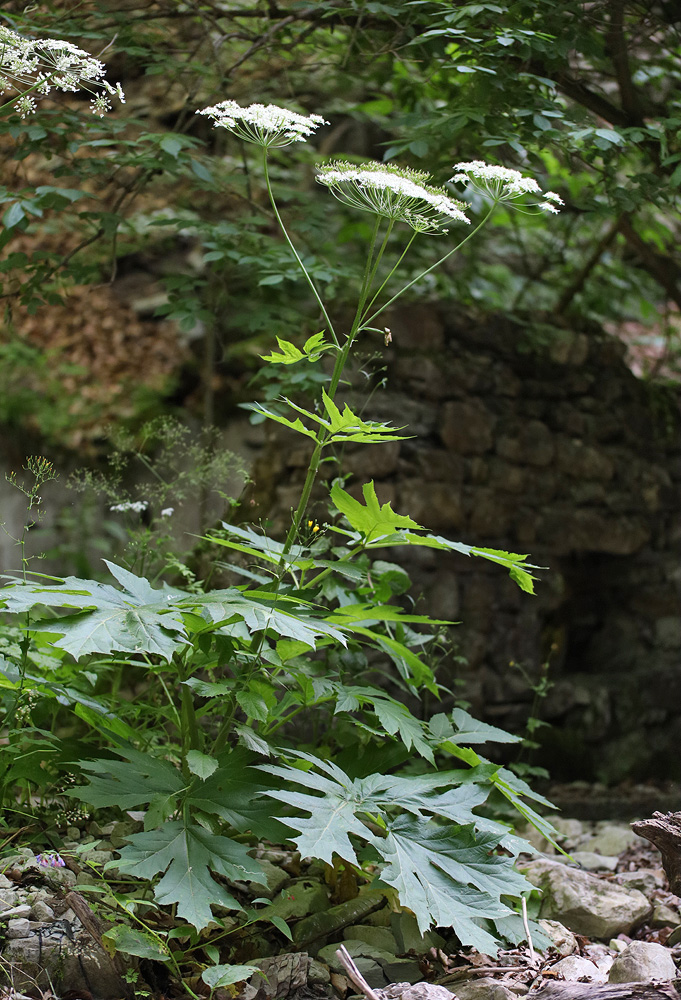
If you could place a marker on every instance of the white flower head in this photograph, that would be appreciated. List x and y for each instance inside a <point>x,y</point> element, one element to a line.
<point>263,124</point>
<point>137,506</point>
<point>503,184</point>
<point>167,512</point>
<point>395,193</point>
<point>32,67</point>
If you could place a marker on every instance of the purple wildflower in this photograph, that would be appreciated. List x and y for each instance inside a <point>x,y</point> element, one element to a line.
<point>51,860</point>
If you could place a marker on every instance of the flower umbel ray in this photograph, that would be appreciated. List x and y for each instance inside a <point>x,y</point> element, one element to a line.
<point>503,184</point>
<point>395,193</point>
<point>264,125</point>
<point>36,66</point>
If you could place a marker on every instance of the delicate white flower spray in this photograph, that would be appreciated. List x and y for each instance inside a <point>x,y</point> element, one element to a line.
<point>502,184</point>
<point>390,193</point>
<point>265,125</point>
<point>35,66</point>
<point>395,193</point>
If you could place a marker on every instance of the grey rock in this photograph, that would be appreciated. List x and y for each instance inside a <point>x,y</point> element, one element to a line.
<point>665,916</point>
<point>646,880</point>
<point>379,937</point>
<point>20,927</point>
<point>334,918</point>
<point>417,991</point>
<point>15,912</point>
<point>574,967</point>
<point>299,899</point>
<point>641,962</point>
<point>356,949</point>
<point>41,911</point>
<point>6,883</point>
<point>65,956</point>
<point>571,831</point>
<point>562,939</point>
<point>584,903</point>
<point>590,861</point>
<point>73,833</point>
<point>410,939</point>
<point>484,989</point>
<point>612,839</point>
<point>275,878</point>
<point>402,969</point>
<point>318,973</point>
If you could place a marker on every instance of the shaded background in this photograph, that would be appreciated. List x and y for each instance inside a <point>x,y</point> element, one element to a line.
<point>143,274</point>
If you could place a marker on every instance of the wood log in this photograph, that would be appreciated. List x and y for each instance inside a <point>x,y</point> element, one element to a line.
<point>607,991</point>
<point>664,831</point>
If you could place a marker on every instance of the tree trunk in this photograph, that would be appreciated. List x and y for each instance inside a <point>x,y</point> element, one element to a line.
<point>664,831</point>
<point>606,991</point>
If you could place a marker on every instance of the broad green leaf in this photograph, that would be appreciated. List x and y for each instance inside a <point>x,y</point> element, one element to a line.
<point>234,793</point>
<point>132,941</point>
<point>289,354</point>
<point>326,831</point>
<point>285,617</point>
<point>201,764</point>
<point>463,728</point>
<point>294,425</point>
<point>261,546</point>
<point>134,620</point>
<point>187,854</point>
<point>227,975</point>
<point>370,519</point>
<point>127,784</point>
<point>436,872</point>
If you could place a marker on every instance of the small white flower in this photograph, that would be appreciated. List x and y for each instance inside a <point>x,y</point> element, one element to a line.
<point>40,64</point>
<point>503,184</point>
<point>167,512</point>
<point>134,505</point>
<point>265,125</point>
<point>395,193</point>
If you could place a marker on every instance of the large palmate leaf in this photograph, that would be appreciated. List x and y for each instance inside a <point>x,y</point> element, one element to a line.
<point>370,519</point>
<point>233,793</point>
<point>376,526</point>
<point>447,875</point>
<point>394,717</point>
<point>127,783</point>
<point>136,619</point>
<point>339,426</point>
<point>187,854</point>
<point>259,611</point>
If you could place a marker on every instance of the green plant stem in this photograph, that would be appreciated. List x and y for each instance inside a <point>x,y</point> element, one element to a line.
<point>295,252</point>
<point>392,271</point>
<point>431,268</point>
<point>341,361</point>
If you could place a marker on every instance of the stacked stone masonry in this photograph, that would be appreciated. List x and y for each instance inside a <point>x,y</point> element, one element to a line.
<point>548,446</point>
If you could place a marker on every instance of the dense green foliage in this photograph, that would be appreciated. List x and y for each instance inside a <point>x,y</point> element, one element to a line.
<point>320,634</point>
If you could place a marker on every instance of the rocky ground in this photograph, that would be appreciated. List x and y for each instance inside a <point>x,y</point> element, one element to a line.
<point>605,916</point>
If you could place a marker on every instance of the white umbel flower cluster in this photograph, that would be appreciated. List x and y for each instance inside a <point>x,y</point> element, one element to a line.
<point>137,506</point>
<point>36,66</point>
<point>395,193</point>
<point>503,184</point>
<point>263,124</point>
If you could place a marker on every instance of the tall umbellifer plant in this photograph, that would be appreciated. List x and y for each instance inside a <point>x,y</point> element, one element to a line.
<point>236,665</point>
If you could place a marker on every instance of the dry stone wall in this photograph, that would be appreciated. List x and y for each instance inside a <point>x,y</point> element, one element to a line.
<point>547,445</point>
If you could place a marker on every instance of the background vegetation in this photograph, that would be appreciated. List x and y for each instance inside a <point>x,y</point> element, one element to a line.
<point>143,274</point>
